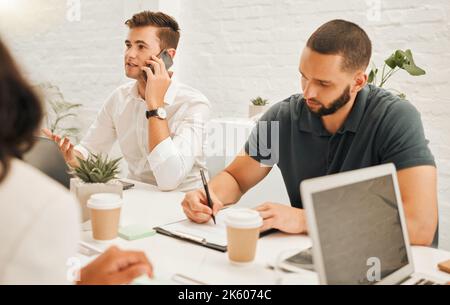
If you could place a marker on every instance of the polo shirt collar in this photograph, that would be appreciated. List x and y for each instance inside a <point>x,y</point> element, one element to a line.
<point>357,112</point>
<point>309,122</point>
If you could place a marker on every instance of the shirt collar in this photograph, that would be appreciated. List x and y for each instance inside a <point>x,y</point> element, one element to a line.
<point>357,112</point>
<point>312,123</point>
<point>169,98</point>
<point>309,122</point>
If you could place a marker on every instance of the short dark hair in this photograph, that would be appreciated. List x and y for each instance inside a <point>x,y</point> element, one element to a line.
<point>343,38</point>
<point>20,112</point>
<point>169,31</point>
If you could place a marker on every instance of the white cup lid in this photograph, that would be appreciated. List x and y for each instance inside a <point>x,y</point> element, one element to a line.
<point>243,218</point>
<point>104,201</point>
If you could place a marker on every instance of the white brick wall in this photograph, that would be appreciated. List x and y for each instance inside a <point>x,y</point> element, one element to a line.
<point>233,50</point>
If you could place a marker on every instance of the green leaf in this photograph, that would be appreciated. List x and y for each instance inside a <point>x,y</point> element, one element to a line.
<point>62,118</point>
<point>97,177</point>
<point>258,101</point>
<point>97,169</point>
<point>72,106</point>
<point>404,60</point>
<point>72,130</point>
<point>409,65</point>
<point>396,59</point>
<point>390,61</point>
<point>399,58</point>
<point>58,109</point>
<point>373,73</point>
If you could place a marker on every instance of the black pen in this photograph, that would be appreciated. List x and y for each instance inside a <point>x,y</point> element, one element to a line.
<point>208,198</point>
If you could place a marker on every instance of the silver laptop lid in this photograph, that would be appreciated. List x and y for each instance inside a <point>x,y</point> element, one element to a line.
<point>357,226</point>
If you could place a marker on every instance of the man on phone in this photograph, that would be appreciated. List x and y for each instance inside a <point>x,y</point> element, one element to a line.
<point>339,123</point>
<point>158,122</point>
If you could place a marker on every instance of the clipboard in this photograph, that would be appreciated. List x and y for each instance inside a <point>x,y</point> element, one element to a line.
<point>208,235</point>
<point>191,238</point>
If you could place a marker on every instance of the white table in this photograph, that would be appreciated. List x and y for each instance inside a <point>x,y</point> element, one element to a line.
<point>144,204</point>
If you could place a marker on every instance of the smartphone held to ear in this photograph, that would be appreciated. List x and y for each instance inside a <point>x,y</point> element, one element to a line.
<point>166,58</point>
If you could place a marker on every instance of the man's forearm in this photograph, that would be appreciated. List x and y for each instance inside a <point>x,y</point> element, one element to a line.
<point>226,188</point>
<point>421,232</point>
<point>418,187</point>
<point>158,131</point>
<point>421,223</point>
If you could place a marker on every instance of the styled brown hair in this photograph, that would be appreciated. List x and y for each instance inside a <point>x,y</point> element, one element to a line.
<point>343,38</point>
<point>20,112</point>
<point>169,31</point>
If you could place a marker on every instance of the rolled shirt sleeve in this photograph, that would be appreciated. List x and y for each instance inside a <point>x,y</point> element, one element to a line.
<point>173,158</point>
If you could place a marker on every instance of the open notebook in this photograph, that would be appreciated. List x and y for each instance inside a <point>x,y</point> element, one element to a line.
<point>208,234</point>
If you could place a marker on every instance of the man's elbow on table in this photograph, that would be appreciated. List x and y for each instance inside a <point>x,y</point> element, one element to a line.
<point>168,186</point>
<point>170,176</point>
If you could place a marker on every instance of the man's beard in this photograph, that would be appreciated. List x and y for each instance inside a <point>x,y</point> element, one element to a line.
<point>337,104</point>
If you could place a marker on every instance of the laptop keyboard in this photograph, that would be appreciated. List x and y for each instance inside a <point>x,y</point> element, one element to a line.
<point>425,282</point>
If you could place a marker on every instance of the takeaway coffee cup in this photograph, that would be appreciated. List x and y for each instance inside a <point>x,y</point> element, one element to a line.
<point>242,234</point>
<point>105,215</point>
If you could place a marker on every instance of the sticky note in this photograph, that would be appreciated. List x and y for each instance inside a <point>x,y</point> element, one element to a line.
<point>133,232</point>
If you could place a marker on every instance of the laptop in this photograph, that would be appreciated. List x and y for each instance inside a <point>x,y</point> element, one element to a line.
<point>358,229</point>
<point>46,157</point>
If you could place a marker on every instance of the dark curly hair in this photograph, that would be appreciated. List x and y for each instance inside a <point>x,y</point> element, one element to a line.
<point>20,112</point>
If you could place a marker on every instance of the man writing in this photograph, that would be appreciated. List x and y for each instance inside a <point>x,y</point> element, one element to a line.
<point>339,123</point>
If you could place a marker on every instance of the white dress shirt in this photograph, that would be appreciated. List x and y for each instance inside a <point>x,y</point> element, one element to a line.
<point>176,161</point>
<point>39,228</point>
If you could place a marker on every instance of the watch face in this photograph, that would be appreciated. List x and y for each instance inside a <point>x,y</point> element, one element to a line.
<point>161,113</point>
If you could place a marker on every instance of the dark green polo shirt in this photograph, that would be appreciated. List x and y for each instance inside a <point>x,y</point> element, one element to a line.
<point>380,128</point>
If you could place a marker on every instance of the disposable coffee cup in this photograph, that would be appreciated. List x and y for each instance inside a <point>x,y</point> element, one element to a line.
<point>105,215</point>
<point>242,234</point>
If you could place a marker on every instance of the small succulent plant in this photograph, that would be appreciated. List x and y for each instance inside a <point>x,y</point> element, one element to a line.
<point>97,169</point>
<point>259,101</point>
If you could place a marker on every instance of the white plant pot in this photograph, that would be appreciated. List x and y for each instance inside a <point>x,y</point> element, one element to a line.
<point>83,192</point>
<point>254,110</point>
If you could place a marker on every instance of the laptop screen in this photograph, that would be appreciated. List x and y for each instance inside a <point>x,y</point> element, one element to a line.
<point>360,231</point>
<point>46,157</point>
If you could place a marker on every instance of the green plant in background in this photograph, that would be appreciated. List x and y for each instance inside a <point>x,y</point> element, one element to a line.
<point>259,101</point>
<point>97,169</point>
<point>58,110</point>
<point>399,60</point>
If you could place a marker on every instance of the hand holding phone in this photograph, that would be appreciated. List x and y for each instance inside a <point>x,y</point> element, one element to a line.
<point>157,79</point>
<point>166,58</point>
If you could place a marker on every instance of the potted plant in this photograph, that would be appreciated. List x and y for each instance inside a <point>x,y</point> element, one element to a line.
<point>399,60</point>
<point>96,174</point>
<point>58,111</point>
<point>258,106</point>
